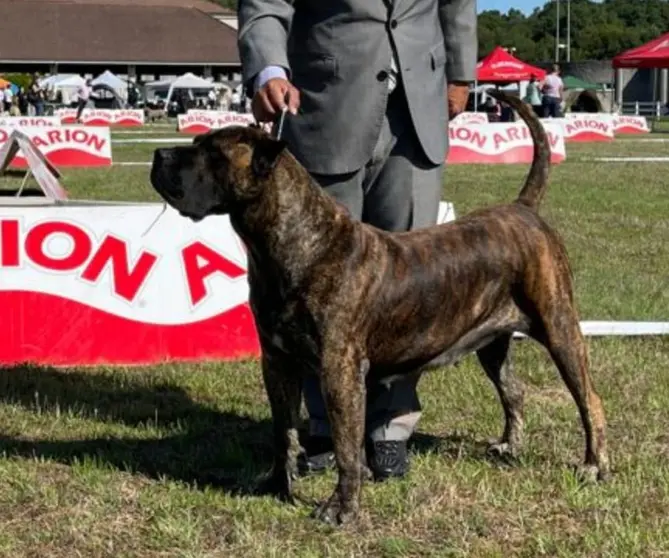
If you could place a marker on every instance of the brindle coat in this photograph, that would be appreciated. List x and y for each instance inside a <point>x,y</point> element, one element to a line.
<point>355,304</point>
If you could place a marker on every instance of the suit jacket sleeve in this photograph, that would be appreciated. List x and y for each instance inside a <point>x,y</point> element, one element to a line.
<point>263,34</point>
<point>458,23</point>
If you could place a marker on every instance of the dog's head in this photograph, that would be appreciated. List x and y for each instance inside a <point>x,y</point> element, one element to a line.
<point>220,171</point>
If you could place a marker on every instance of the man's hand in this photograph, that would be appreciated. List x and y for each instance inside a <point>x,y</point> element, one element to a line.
<point>458,95</point>
<point>272,97</point>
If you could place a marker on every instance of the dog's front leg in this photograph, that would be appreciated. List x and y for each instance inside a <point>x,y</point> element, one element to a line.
<point>343,384</point>
<point>283,386</point>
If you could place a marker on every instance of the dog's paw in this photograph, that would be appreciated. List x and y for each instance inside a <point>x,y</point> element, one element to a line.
<point>591,474</point>
<point>278,485</point>
<point>502,451</point>
<point>333,513</point>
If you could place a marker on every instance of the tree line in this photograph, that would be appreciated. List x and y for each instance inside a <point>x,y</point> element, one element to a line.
<point>599,30</point>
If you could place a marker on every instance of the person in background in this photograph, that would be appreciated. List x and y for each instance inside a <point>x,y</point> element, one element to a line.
<point>552,91</point>
<point>236,100</point>
<point>2,100</point>
<point>83,96</point>
<point>22,100</point>
<point>224,99</point>
<point>211,99</point>
<point>37,98</point>
<point>369,89</point>
<point>493,108</point>
<point>533,96</point>
<point>133,95</point>
<point>9,98</point>
<point>14,110</point>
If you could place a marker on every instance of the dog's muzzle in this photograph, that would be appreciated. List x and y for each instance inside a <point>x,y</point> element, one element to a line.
<point>165,177</point>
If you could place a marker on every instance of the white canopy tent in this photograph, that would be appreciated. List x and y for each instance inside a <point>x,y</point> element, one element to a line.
<point>67,84</point>
<point>113,82</point>
<point>165,89</point>
<point>190,82</point>
<point>154,90</point>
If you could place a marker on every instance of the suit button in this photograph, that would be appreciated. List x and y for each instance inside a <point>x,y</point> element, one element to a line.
<point>382,75</point>
<point>393,24</point>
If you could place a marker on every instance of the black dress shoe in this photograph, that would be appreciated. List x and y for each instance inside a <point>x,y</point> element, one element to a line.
<point>388,459</point>
<point>318,456</point>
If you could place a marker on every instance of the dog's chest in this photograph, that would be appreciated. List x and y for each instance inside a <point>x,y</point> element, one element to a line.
<point>286,326</point>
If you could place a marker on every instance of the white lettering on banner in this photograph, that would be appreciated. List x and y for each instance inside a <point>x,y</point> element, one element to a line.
<point>68,145</point>
<point>28,121</point>
<point>180,273</point>
<point>493,137</point>
<point>508,64</point>
<point>604,116</point>
<point>587,126</point>
<point>505,143</point>
<point>212,120</point>
<point>584,124</point>
<point>97,256</point>
<point>102,117</point>
<point>35,247</point>
<point>618,123</point>
<point>192,112</point>
<point>630,124</point>
<point>185,121</point>
<point>470,118</point>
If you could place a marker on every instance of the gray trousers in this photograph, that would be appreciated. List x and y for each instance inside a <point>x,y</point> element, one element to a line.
<point>397,190</point>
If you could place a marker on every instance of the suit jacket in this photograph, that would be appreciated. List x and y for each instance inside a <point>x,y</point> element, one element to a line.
<point>338,54</point>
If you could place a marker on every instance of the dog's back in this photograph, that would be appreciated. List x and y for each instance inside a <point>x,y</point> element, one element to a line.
<point>460,282</point>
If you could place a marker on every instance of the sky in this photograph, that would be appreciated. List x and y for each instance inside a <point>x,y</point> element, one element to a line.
<point>504,5</point>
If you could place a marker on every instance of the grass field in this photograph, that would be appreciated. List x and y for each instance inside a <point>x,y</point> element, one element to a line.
<point>159,461</point>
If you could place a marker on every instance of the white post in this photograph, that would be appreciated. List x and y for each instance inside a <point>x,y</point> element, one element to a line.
<point>664,86</point>
<point>557,31</point>
<point>476,96</point>
<point>568,30</point>
<point>619,86</point>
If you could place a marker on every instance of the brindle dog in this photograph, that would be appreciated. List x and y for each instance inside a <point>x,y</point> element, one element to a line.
<point>338,298</point>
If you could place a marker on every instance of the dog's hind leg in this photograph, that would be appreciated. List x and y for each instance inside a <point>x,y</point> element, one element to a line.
<point>496,361</point>
<point>566,345</point>
<point>284,390</point>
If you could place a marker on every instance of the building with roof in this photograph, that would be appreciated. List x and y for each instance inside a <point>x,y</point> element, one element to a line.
<point>144,38</point>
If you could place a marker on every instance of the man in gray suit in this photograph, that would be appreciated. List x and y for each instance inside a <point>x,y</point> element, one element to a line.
<point>366,84</point>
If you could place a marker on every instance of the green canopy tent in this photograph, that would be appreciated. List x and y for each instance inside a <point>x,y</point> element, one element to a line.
<point>581,95</point>
<point>571,82</point>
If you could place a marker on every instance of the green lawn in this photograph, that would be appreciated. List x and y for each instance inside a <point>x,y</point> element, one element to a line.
<point>158,461</point>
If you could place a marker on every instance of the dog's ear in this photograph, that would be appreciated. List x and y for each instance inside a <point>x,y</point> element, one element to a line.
<point>266,152</point>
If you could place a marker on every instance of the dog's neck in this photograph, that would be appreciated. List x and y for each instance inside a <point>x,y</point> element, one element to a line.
<point>293,222</point>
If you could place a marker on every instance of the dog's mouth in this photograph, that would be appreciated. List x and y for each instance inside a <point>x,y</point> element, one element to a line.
<point>220,209</point>
<point>166,187</point>
<point>192,216</point>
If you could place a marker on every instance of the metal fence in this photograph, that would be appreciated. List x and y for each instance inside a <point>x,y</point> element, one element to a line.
<point>638,108</point>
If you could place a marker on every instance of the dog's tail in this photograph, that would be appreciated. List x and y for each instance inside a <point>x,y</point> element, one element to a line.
<point>537,180</point>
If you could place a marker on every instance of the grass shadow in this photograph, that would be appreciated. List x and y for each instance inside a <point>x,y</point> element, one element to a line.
<point>11,192</point>
<point>202,445</point>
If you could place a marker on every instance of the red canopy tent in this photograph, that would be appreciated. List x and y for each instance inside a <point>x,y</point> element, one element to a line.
<point>500,67</point>
<point>654,54</point>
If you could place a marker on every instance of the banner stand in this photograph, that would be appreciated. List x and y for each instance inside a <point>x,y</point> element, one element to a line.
<point>45,174</point>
